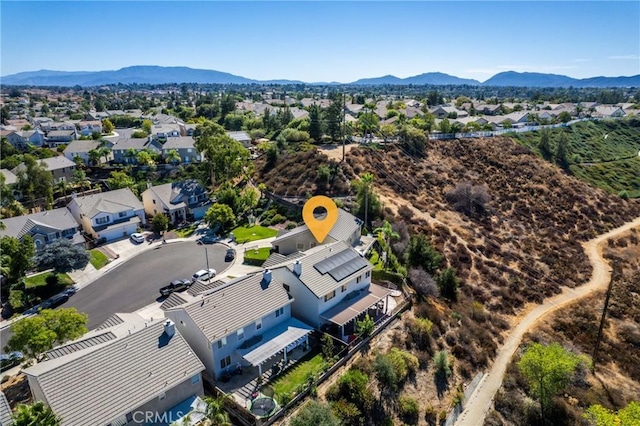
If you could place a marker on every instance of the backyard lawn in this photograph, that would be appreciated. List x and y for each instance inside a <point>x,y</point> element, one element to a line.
<point>98,259</point>
<point>292,380</point>
<point>245,234</point>
<point>40,280</point>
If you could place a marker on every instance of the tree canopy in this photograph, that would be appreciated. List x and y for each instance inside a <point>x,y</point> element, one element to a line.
<point>315,414</point>
<point>224,157</point>
<point>37,334</point>
<point>220,215</point>
<point>37,413</point>
<point>63,256</point>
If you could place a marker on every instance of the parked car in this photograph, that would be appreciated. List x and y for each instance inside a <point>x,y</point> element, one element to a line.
<point>70,291</point>
<point>207,239</point>
<point>10,360</point>
<point>231,254</point>
<point>137,237</point>
<point>55,301</point>
<point>175,285</point>
<point>204,275</point>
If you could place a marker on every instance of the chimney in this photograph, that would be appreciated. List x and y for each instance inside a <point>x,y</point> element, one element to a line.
<point>169,328</point>
<point>297,268</point>
<point>266,276</point>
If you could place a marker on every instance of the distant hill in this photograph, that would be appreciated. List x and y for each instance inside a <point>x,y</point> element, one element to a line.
<point>151,74</point>
<point>533,79</point>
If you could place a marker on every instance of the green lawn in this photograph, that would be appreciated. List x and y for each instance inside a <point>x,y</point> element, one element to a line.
<point>257,256</point>
<point>246,234</point>
<point>292,380</point>
<point>40,280</point>
<point>186,232</point>
<point>98,259</point>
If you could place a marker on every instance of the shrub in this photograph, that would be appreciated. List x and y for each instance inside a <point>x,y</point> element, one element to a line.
<point>409,408</point>
<point>441,363</point>
<point>17,300</point>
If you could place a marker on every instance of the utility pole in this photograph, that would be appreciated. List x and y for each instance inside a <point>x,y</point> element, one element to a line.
<point>206,255</point>
<point>604,314</point>
<point>344,123</point>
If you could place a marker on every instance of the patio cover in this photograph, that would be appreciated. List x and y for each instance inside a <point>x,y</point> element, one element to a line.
<point>277,339</point>
<point>347,310</point>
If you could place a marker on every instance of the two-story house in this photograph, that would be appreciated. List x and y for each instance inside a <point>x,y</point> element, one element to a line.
<point>165,131</point>
<point>331,287</point>
<point>81,148</point>
<point>185,146</point>
<point>241,137</point>
<point>108,216</point>
<point>119,373</point>
<point>87,127</point>
<point>57,137</point>
<point>183,200</point>
<point>125,150</point>
<point>61,168</point>
<point>347,228</point>
<point>20,139</point>
<point>44,227</point>
<point>245,321</point>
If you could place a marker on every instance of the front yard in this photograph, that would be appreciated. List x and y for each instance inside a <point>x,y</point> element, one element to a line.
<point>257,256</point>
<point>41,280</point>
<point>98,259</point>
<point>245,234</point>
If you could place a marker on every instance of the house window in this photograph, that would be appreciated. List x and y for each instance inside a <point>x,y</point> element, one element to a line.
<point>359,279</point>
<point>279,311</point>
<point>367,274</point>
<point>189,150</point>
<point>222,342</point>
<point>287,287</point>
<point>330,296</point>
<point>343,288</point>
<point>225,362</point>
<point>259,324</point>
<point>195,379</point>
<point>102,220</point>
<point>154,201</point>
<point>122,214</point>
<point>240,333</point>
<point>300,246</point>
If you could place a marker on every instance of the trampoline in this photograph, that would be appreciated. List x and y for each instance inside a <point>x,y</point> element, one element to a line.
<point>263,406</point>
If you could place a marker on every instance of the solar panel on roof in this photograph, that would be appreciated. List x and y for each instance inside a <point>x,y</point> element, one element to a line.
<point>344,270</point>
<point>335,261</point>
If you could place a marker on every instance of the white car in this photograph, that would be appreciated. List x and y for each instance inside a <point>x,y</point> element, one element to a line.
<point>203,275</point>
<point>137,237</point>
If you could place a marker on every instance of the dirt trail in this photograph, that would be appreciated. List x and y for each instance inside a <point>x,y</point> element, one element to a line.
<point>481,400</point>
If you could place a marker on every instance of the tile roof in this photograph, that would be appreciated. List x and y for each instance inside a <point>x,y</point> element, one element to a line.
<point>108,202</point>
<point>9,177</point>
<point>80,345</point>
<point>342,263</point>
<point>180,142</point>
<point>56,220</point>
<point>57,162</point>
<point>239,136</point>
<point>97,384</point>
<point>277,258</point>
<point>345,226</point>
<point>5,411</point>
<point>217,313</point>
<point>81,146</point>
<point>126,143</point>
<point>177,194</point>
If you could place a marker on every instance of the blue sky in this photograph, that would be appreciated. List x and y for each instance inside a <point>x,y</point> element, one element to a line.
<point>325,41</point>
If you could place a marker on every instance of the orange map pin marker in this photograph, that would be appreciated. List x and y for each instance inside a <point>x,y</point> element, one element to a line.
<point>320,227</point>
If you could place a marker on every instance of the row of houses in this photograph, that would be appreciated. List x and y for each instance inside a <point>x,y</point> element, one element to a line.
<point>130,366</point>
<point>108,216</point>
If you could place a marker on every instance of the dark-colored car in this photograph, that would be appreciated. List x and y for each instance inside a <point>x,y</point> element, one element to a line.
<point>175,285</point>
<point>55,301</point>
<point>231,254</point>
<point>207,239</point>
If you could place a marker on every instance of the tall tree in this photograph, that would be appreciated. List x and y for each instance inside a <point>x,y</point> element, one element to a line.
<point>35,335</point>
<point>34,414</point>
<point>562,151</point>
<point>315,122</point>
<point>220,215</point>
<point>63,256</point>
<point>118,180</point>
<point>35,182</point>
<point>421,253</point>
<point>224,157</point>
<point>368,202</point>
<point>544,145</point>
<point>107,126</point>
<point>20,253</point>
<point>172,157</point>
<point>548,369</point>
<point>333,117</point>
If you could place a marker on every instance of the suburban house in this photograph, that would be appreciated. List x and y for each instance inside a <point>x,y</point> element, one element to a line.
<point>9,178</point>
<point>347,228</point>
<point>608,111</point>
<point>246,322</point>
<point>44,227</point>
<point>57,137</point>
<point>108,216</point>
<point>48,126</point>
<point>484,109</point>
<point>185,147</point>
<point>19,139</point>
<point>81,148</point>
<point>331,287</point>
<point>127,371</point>
<point>164,131</point>
<point>125,148</point>
<point>180,201</point>
<point>88,127</point>
<point>241,137</point>
<point>61,168</point>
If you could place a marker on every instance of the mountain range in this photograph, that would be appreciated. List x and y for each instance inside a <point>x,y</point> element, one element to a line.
<point>150,74</point>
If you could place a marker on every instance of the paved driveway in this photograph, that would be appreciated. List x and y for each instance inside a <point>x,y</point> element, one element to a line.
<point>135,284</point>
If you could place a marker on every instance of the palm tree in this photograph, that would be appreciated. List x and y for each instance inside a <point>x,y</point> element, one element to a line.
<point>367,181</point>
<point>215,414</point>
<point>104,152</point>
<point>130,153</point>
<point>35,414</point>
<point>94,156</point>
<point>386,234</point>
<point>172,156</point>
<point>62,187</point>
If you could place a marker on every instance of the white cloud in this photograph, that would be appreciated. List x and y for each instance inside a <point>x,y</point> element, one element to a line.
<point>625,57</point>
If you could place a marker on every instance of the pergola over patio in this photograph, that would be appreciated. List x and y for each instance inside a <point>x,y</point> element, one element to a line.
<point>348,310</point>
<point>283,337</point>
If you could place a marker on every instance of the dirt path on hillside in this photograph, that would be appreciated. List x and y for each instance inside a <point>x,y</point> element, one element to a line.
<point>481,400</point>
<point>334,152</point>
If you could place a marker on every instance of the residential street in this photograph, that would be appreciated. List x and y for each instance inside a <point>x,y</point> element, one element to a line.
<point>135,284</point>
